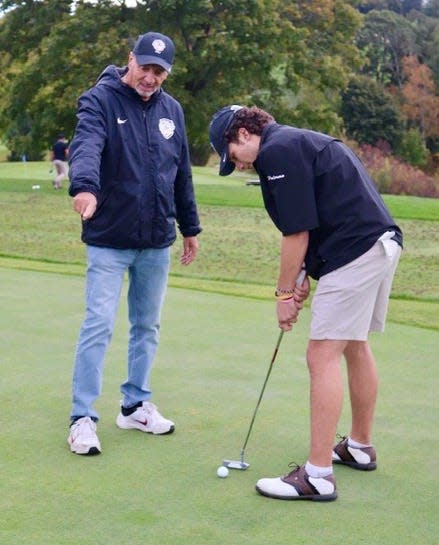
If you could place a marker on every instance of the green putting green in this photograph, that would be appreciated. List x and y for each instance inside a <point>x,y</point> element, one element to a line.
<point>213,357</point>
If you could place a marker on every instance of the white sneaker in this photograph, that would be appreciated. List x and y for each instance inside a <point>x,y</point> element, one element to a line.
<point>82,438</point>
<point>146,418</point>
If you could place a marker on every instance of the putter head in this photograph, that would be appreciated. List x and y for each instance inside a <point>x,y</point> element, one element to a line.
<point>235,464</point>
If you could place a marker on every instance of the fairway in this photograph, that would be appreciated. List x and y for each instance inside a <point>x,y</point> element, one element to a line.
<point>213,356</point>
<point>41,232</point>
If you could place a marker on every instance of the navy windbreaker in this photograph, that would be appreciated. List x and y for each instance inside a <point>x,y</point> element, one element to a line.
<point>133,156</point>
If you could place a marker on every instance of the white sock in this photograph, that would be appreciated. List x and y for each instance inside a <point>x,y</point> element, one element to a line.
<point>356,444</point>
<point>316,471</point>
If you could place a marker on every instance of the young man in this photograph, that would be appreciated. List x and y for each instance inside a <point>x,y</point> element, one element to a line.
<point>130,182</point>
<point>319,195</point>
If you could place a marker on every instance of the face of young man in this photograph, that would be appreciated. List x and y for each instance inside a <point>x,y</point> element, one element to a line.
<point>244,151</point>
<point>146,79</point>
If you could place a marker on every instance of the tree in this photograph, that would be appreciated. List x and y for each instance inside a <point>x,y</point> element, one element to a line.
<point>21,31</point>
<point>385,39</point>
<point>401,7</point>
<point>41,83</point>
<point>432,8</point>
<point>369,113</point>
<point>274,53</point>
<point>26,23</point>
<point>223,53</point>
<point>311,84</point>
<point>427,38</point>
<point>421,104</point>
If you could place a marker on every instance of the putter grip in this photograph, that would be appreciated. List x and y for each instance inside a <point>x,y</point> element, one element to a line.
<point>301,278</point>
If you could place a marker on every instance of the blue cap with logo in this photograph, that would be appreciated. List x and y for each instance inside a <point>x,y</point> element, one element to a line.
<point>155,48</point>
<point>221,121</point>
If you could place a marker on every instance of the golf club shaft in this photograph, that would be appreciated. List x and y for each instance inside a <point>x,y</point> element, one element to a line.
<point>299,282</point>
<point>262,392</point>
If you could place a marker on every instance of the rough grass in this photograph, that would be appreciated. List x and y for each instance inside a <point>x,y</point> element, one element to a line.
<point>239,244</point>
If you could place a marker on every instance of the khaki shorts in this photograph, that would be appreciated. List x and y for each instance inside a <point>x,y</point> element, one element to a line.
<point>352,301</point>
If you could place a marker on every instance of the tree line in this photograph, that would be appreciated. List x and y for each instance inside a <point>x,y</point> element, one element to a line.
<point>367,70</point>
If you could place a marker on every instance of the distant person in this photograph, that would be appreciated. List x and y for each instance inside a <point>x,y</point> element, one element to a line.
<point>332,218</point>
<point>131,182</point>
<point>59,156</point>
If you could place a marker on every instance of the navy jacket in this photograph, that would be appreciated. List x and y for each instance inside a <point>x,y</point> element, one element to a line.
<point>133,156</point>
<point>313,182</point>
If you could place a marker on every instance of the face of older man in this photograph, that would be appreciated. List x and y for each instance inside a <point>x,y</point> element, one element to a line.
<point>145,79</point>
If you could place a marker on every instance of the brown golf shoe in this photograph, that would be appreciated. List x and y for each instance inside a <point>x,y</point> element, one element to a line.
<point>298,485</point>
<point>357,458</point>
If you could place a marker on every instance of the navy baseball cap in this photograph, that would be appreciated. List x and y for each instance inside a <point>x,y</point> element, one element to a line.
<point>221,121</point>
<point>155,48</point>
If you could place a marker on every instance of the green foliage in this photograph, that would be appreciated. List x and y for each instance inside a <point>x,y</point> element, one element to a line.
<point>318,69</point>
<point>427,40</point>
<point>25,24</point>
<point>225,54</point>
<point>412,148</point>
<point>264,55</point>
<point>369,113</point>
<point>53,75</point>
<point>21,31</point>
<point>3,153</point>
<point>386,38</point>
<point>294,59</point>
<point>401,7</point>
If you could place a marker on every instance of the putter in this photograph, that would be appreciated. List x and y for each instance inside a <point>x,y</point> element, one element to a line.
<point>241,464</point>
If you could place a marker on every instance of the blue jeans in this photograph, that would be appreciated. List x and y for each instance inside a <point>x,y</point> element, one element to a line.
<point>148,276</point>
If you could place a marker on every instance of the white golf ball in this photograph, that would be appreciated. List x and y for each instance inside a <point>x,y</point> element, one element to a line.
<point>222,472</point>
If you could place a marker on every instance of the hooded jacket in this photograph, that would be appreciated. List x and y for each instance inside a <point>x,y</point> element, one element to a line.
<point>133,156</point>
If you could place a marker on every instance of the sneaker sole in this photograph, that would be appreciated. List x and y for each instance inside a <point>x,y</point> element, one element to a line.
<point>92,451</point>
<point>142,429</point>
<point>313,497</point>
<point>355,465</point>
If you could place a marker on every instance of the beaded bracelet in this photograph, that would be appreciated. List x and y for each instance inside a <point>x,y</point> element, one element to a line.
<point>283,293</point>
<point>279,291</point>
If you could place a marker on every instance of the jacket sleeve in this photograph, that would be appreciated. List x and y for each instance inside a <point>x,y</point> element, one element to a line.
<point>86,147</point>
<point>187,214</point>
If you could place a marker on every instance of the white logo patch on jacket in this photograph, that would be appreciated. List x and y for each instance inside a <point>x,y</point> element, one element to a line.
<point>166,127</point>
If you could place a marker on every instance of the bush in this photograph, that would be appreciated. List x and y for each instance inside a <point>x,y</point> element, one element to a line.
<point>412,148</point>
<point>395,177</point>
<point>369,113</point>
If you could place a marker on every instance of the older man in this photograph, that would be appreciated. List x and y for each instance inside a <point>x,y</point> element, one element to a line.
<point>130,182</point>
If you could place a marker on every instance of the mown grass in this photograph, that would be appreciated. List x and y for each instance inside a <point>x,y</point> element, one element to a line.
<point>233,191</point>
<point>238,247</point>
<point>213,356</point>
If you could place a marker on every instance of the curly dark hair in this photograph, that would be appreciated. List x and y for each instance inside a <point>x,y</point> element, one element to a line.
<point>253,119</point>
